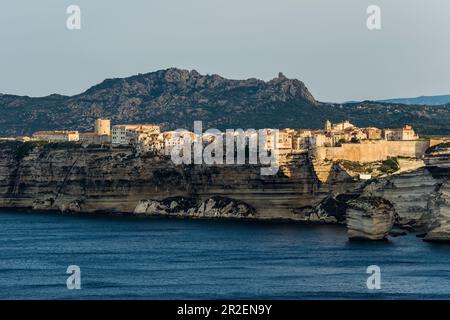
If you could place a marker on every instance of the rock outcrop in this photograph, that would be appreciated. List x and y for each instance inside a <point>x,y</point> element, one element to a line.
<point>419,197</point>
<point>439,228</point>
<point>73,178</point>
<point>332,209</point>
<point>369,218</point>
<point>409,193</point>
<point>215,207</point>
<point>438,160</point>
<point>438,156</point>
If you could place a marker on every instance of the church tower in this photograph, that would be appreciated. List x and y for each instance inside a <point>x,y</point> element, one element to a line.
<point>328,126</point>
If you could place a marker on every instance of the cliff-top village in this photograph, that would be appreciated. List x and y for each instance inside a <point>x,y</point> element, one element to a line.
<point>337,141</point>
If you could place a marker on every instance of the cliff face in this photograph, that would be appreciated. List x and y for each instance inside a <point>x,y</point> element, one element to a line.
<point>409,193</point>
<point>369,218</point>
<point>72,178</point>
<point>215,207</point>
<point>94,179</point>
<point>439,228</point>
<point>419,197</point>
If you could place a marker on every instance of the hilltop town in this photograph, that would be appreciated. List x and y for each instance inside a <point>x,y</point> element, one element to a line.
<point>336,141</point>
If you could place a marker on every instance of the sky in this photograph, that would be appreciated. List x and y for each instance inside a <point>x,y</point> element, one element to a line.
<point>324,43</point>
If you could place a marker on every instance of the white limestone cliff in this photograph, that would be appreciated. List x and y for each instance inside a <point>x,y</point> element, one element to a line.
<point>439,228</point>
<point>369,218</point>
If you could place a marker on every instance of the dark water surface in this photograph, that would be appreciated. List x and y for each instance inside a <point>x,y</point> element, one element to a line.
<point>152,258</point>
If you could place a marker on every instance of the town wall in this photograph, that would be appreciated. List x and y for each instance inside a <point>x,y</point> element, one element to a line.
<point>375,150</point>
<point>413,148</point>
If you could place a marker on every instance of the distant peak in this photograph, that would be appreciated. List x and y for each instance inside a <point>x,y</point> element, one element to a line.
<point>173,79</point>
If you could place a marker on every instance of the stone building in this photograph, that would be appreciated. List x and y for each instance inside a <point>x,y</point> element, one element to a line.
<point>171,139</point>
<point>342,126</point>
<point>373,133</point>
<point>328,126</point>
<point>56,136</point>
<point>320,139</point>
<point>405,133</point>
<point>285,138</point>
<point>101,135</point>
<point>125,134</point>
<point>94,138</point>
<point>300,140</point>
<point>103,127</point>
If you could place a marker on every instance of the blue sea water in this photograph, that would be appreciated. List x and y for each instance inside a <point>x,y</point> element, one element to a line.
<point>155,258</point>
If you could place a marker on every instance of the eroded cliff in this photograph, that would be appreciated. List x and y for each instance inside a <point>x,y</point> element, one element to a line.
<point>70,177</point>
<point>100,179</point>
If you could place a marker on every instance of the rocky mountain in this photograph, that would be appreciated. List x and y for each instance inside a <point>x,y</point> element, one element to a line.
<point>175,98</point>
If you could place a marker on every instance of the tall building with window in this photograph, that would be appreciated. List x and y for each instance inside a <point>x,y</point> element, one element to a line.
<point>124,134</point>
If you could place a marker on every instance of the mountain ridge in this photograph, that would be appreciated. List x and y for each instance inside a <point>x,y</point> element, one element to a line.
<point>175,98</point>
<point>425,100</point>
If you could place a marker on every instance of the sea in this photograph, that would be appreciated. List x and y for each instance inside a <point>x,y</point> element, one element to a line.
<point>54,256</point>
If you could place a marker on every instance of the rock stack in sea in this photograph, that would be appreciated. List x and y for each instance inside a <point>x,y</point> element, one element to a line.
<point>439,228</point>
<point>409,193</point>
<point>369,218</point>
<point>439,156</point>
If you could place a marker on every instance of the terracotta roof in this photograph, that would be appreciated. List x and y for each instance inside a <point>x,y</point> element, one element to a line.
<point>88,134</point>
<point>137,125</point>
<point>55,132</point>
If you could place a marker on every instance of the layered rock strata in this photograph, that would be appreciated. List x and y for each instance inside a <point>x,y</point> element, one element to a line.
<point>369,218</point>
<point>409,193</point>
<point>215,207</point>
<point>439,227</point>
<point>73,178</point>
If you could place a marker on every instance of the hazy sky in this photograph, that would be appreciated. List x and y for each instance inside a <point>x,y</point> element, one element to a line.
<point>324,43</point>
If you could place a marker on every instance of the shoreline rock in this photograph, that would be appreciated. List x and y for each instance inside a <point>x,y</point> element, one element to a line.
<point>439,228</point>
<point>214,207</point>
<point>369,218</point>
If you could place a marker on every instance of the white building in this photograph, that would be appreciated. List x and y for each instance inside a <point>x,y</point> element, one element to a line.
<point>300,140</point>
<point>172,139</point>
<point>319,139</point>
<point>124,134</point>
<point>342,126</point>
<point>405,133</point>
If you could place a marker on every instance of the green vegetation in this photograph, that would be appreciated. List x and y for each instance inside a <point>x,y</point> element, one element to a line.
<point>340,142</point>
<point>355,166</point>
<point>24,148</point>
<point>62,145</point>
<point>389,166</point>
<point>375,168</point>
